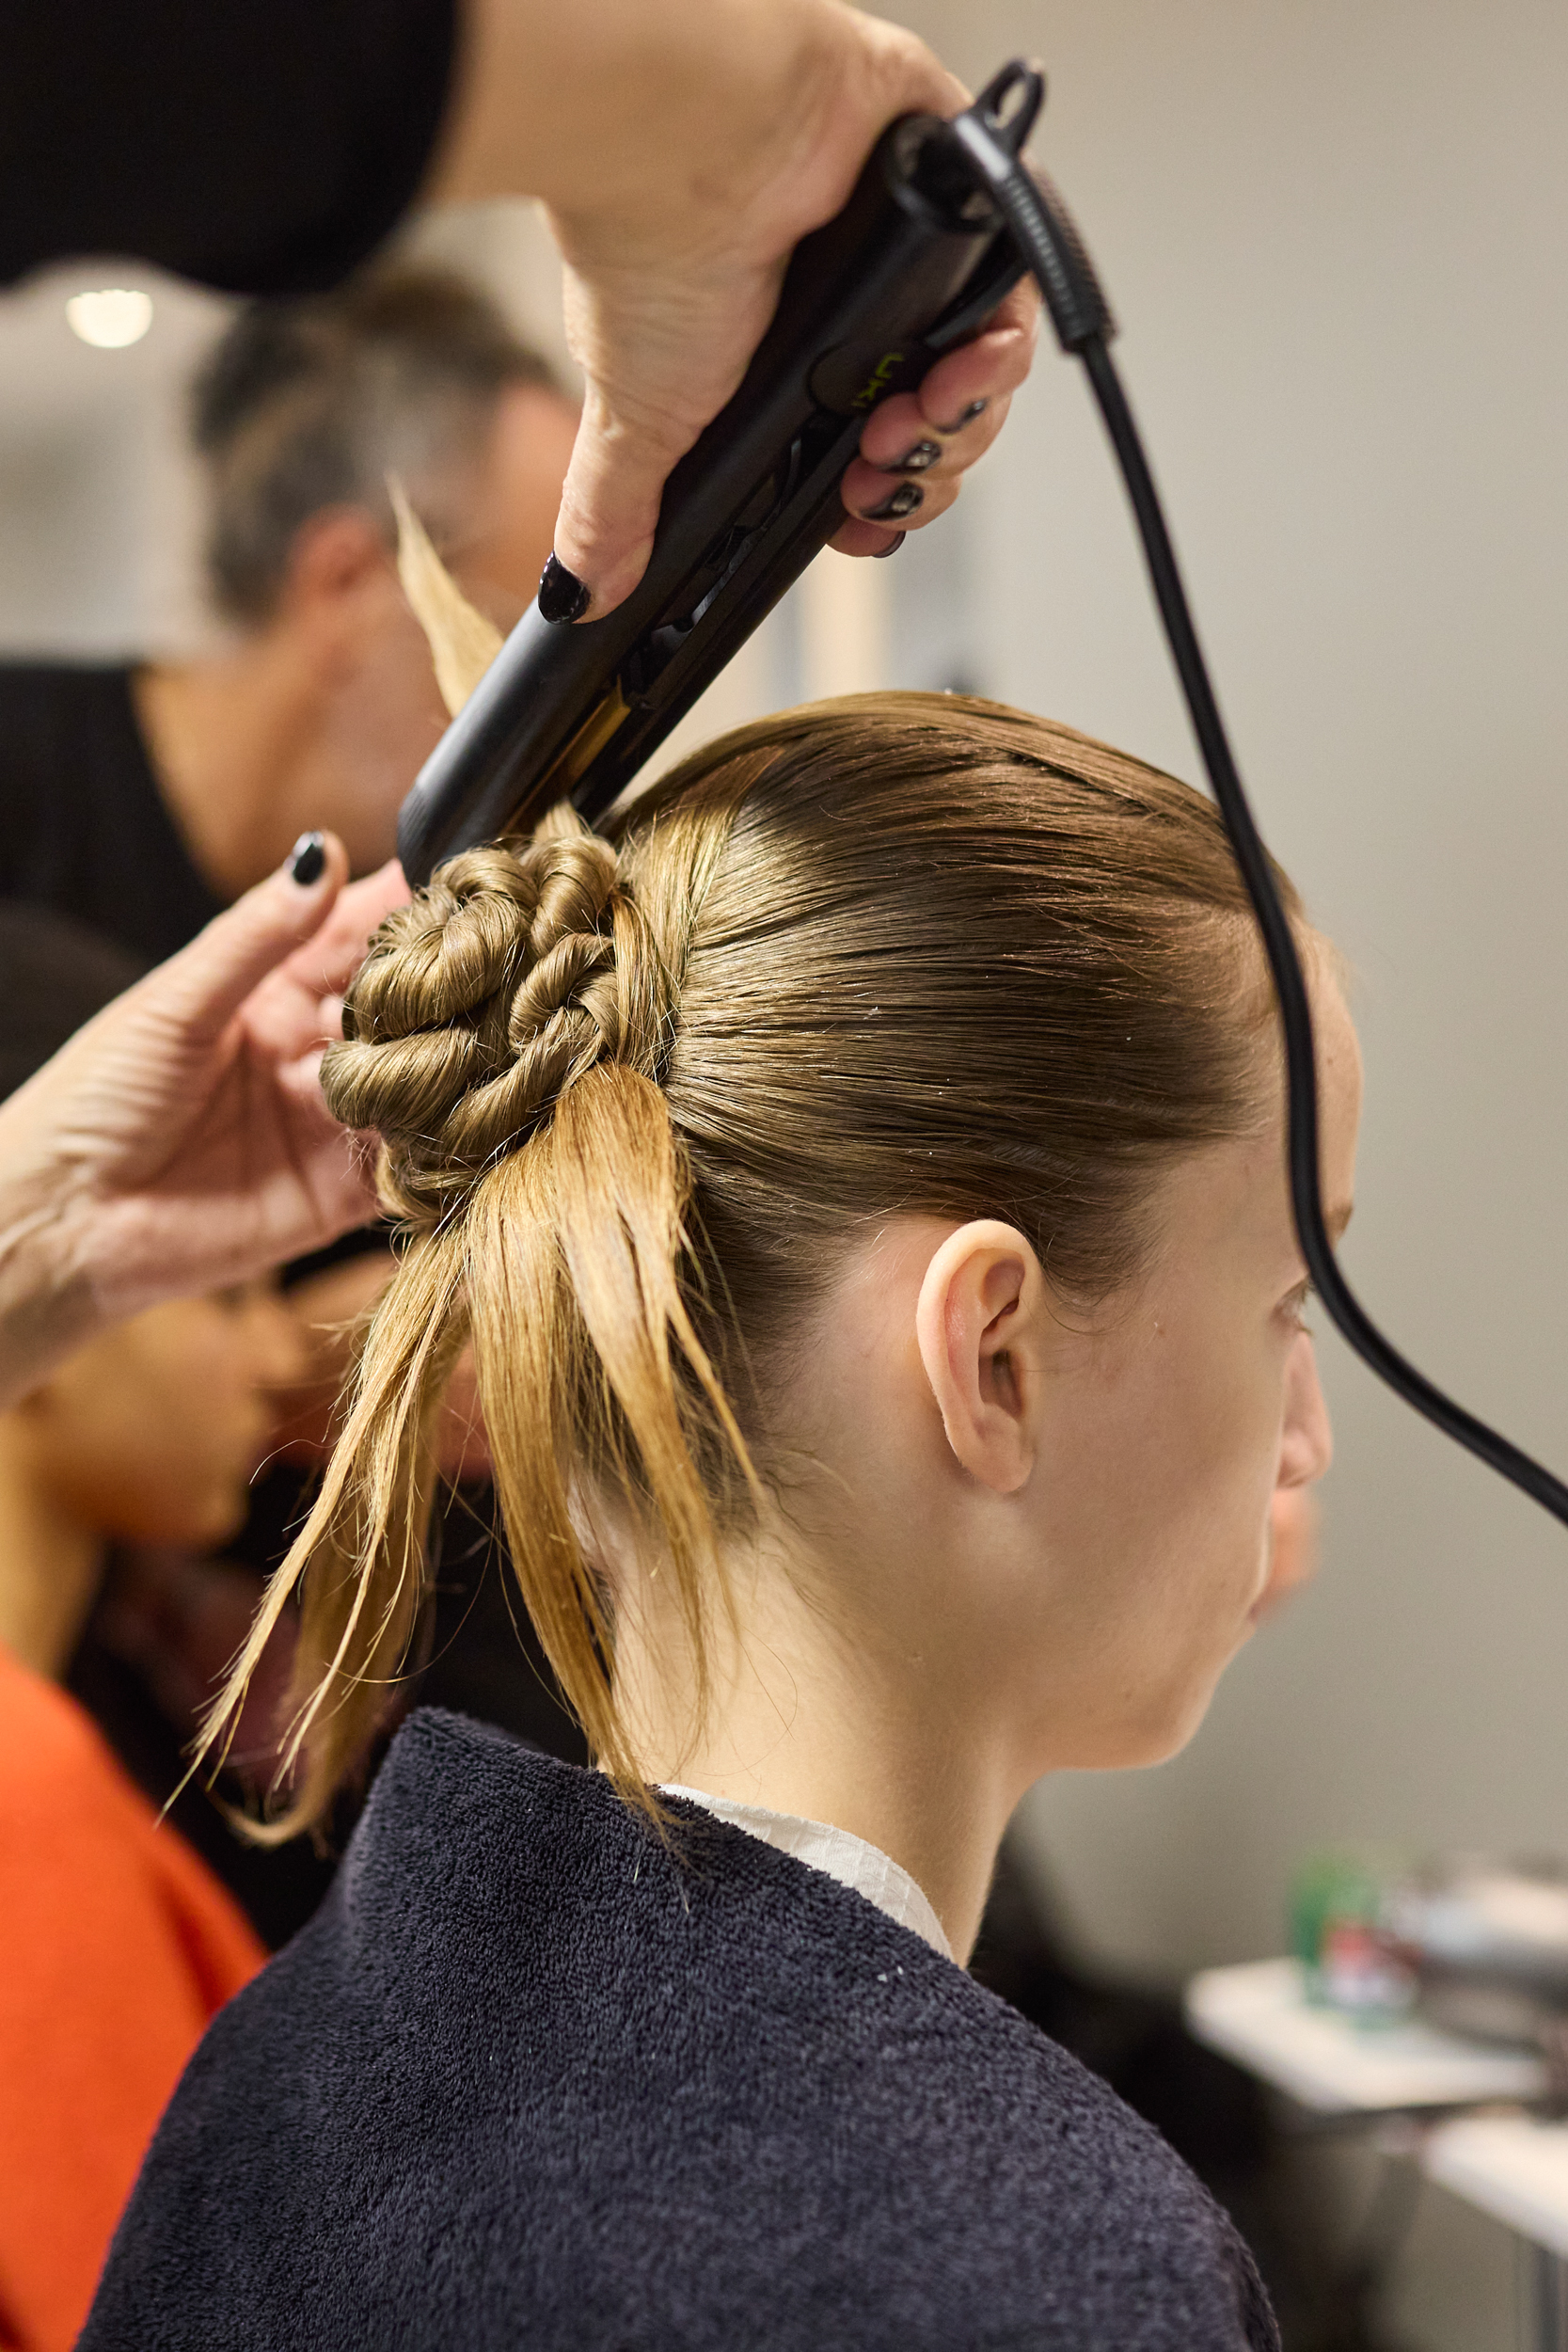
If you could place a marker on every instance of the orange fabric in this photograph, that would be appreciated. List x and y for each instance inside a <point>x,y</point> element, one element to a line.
<point>116,1944</point>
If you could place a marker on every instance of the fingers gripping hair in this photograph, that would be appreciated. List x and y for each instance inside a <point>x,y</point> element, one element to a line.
<point>505,1037</point>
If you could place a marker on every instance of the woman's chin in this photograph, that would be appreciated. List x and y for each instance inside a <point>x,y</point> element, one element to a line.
<point>206,1521</point>
<point>1170,1727</point>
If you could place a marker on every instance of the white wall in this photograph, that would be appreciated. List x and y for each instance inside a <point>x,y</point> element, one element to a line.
<point>98,516</point>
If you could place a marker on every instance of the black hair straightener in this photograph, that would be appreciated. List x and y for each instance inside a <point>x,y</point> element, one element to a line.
<point>946,217</point>
<point>915,263</point>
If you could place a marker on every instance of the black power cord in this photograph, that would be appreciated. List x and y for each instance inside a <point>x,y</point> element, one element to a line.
<point>1045,235</point>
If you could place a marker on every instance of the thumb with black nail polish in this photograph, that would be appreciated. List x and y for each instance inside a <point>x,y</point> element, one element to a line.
<point>306,860</point>
<point>562,596</point>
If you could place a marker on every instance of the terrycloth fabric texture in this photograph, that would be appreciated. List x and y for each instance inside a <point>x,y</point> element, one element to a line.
<point>527,2080</point>
<point>843,1856</point>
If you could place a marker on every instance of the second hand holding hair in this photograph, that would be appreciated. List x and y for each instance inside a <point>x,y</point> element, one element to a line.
<point>180,1143</point>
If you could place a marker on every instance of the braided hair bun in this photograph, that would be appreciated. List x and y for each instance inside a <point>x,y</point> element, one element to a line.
<point>519,969</point>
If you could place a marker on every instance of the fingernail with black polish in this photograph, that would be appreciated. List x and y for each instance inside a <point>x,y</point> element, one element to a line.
<point>562,596</point>
<point>915,460</point>
<point>975,408</point>
<point>903,501</point>
<point>892,547</point>
<point>307,859</point>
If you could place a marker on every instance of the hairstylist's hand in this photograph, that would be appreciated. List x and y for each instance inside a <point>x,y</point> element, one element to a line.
<point>683,147</point>
<point>179,1142</point>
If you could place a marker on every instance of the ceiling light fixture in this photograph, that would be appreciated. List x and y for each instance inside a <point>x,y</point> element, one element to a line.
<point>110,317</point>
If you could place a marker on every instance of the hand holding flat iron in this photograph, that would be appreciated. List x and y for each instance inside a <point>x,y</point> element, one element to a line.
<point>683,149</point>
<point>180,1142</point>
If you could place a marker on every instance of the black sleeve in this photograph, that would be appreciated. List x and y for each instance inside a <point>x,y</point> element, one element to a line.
<point>259,146</point>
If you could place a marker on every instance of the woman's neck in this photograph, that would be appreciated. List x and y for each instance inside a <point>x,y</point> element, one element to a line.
<point>834,1726</point>
<point>235,742</point>
<point>51,1564</point>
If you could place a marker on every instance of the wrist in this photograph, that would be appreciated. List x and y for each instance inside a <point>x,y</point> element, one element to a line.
<point>632,113</point>
<point>48,1302</point>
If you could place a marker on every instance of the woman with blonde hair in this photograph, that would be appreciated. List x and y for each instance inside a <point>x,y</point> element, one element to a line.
<point>863,1187</point>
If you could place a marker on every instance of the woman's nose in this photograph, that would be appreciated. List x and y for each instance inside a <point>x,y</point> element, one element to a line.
<point>1306,1447</point>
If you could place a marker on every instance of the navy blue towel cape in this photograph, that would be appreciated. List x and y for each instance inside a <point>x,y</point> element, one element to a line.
<point>527,2082</point>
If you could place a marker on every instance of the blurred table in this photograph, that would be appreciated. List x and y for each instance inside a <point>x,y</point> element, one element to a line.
<point>1509,2166</point>
<point>1259,2016</point>
<point>1515,2169</point>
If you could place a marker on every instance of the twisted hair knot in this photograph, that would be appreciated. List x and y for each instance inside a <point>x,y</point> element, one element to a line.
<point>517,971</point>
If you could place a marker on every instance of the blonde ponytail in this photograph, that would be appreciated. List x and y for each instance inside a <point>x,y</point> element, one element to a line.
<point>358,1560</point>
<point>593,1380</point>
<point>505,1038</point>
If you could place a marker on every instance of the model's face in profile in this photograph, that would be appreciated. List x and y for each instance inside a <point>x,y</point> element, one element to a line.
<point>151,1435</point>
<point>1055,1522</point>
<point>1198,1405</point>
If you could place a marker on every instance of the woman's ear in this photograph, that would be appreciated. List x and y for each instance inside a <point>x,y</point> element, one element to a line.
<point>979,1323</point>
<point>339,577</point>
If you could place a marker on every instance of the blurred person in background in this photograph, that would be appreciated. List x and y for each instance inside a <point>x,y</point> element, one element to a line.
<point>141,797</point>
<point>120,1944</point>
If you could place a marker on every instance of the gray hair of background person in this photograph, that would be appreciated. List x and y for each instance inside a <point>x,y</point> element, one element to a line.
<point>309,404</point>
